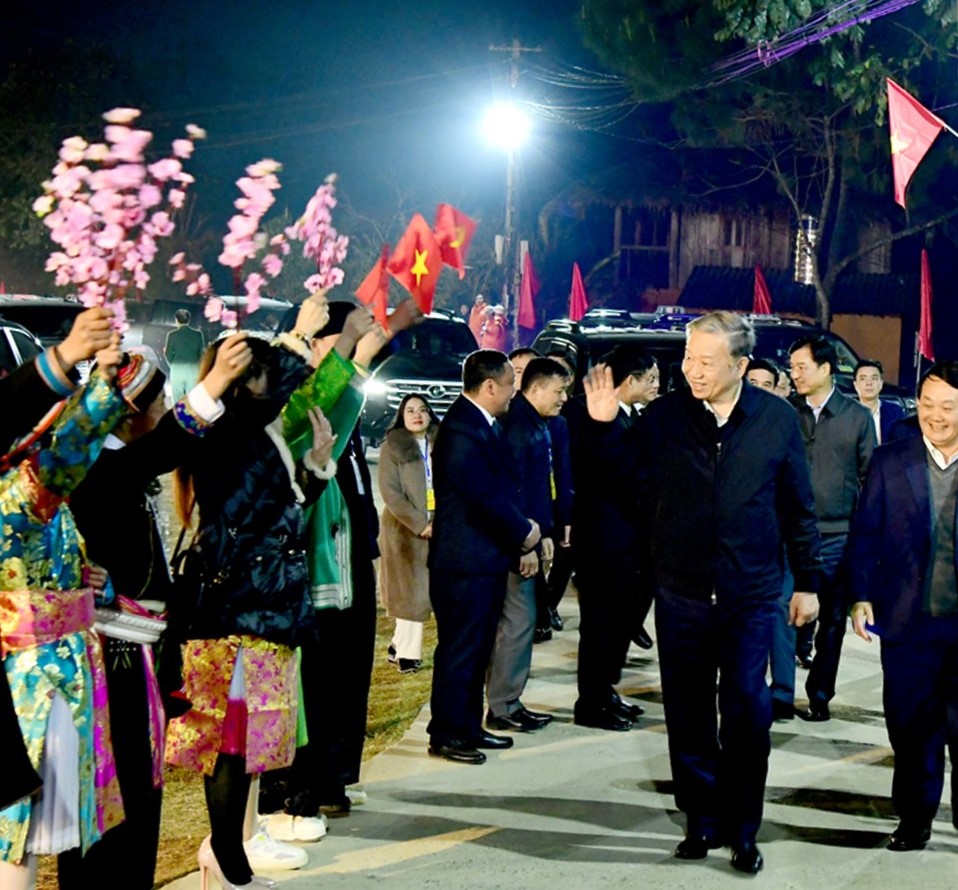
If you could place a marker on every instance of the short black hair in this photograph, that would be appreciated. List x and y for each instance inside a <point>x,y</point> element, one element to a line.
<point>870,363</point>
<point>761,364</point>
<point>945,371</point>
<point>524,350</point>
<point>482,365</point>
<point>182,316</point>
<point>542,369</point>
<point>822,350</point>
<point>625,361</point>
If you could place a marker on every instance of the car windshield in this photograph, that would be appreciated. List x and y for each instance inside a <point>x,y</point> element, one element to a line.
<point>434,337</point>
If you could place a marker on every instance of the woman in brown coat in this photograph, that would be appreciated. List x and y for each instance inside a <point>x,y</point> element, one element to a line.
<point>405,483</point>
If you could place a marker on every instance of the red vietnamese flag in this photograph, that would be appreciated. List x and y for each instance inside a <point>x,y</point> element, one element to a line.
<point>453,231</point>
<point>762,298</point>
<point>578,302</point>
<point>925,347</point>
<point>374,291</point>
<point>416,262</point>
<point>528,289</point>
<point>913,128</point>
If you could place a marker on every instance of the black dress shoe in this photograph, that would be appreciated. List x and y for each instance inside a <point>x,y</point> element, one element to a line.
<point>817,712</point>
<point>627,710</point>
<point>391,654</point>
<point>538,716</point>
<point>409,665</point>
<point>747,859</point>
<point>782,710</point>
<point>602,718</point>
<point>692,848</point>
<point>491,742</point>
<point>803,661</point>
<point>642,639</point>
<point>517,721</point>
<point>909,836</point>
<point>542,635</point>
<point>336,808</point>
<point>555,620</point>
<point>457,753</point>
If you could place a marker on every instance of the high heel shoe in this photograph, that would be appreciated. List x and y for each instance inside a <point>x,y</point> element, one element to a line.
<point>208,863</point>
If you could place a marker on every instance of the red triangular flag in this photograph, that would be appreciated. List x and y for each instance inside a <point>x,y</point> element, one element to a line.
<point>761,299</point>
<point>925,347</point>
<point>416,262</point>
<point>3,287</point>
<point>913,128</point>
<point>453,231</point>
<point>578,302</point>
<point>374,290</point>
<point>528,289</point>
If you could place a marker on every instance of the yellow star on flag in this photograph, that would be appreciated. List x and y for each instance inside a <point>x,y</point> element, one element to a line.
<point>419,268</point>
<point>460,237</point>
<point>898,144</point>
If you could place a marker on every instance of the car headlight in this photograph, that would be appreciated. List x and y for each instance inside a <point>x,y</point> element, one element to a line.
<point>374,387</point>
<point>911,406</point>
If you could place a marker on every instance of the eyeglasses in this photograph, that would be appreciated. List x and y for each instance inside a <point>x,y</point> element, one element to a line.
<point>415,411</point>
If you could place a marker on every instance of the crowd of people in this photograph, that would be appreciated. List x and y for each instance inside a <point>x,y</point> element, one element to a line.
<point>230,657</point>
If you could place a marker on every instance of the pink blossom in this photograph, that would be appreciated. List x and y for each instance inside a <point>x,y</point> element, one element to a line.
<point>150,196</point>
<point>161,224</point>
<point>121,115</point>
<point>43,205</point>
<point>176,198</point>
<point>213,310</point>
<point>133,217</point>
<point>165,169</point>
<point>72,149</point>
<point>119,321</point>
<point>263,168</point>
<point>97,152</point>
<point>229,318</point>
<point>195,132</point>
<point>183,148</point>
<point>242,226</point>
<point>313,283</point>
<point>177,258</point>
<point>272,265</point>
<point>130,147</point>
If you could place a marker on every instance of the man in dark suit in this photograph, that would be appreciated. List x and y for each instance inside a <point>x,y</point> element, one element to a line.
<point>839,437</point>
<point>728,485</point>
<point>606,538</point>
<point>869,380</point>
<point>479,533</point>
<point>902,558</point>
<point>543,394</point>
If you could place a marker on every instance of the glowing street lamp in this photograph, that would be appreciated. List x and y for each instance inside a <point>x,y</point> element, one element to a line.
<point>507,126</point>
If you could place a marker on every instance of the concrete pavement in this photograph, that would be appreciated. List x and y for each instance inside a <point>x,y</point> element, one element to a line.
<point>571,807</point>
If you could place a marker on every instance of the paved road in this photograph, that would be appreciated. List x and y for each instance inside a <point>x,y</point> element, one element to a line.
<point>570,807</point>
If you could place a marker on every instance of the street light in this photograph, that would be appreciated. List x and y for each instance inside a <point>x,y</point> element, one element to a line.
<point>507,126</point>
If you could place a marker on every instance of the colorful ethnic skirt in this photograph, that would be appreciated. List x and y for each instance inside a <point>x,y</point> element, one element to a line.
<point>244,692</point>
<point>49,649</point>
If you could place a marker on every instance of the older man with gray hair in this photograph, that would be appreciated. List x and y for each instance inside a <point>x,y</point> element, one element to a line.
<point>727,484</point>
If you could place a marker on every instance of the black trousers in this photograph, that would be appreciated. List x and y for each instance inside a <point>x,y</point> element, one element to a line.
<point>606,609</point>
<point>832,621</point>
<point>127,851</point>
<point>549,593</point>
<point>467,609</point>
<point>718,769</point>
<point>920,697</point>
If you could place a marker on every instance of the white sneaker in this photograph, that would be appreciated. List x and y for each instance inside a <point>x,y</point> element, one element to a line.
<point>283,827</point>
<point>357,797</point>
<point>267,854</point>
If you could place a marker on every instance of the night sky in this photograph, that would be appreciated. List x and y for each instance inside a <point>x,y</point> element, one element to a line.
<point>388,95</point>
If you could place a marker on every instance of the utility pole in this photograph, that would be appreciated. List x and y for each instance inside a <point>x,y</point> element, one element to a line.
<point>511,271</point>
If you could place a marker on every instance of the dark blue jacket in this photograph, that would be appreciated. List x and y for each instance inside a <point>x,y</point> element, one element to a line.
<point>562,467</point>
<point>890,414</point>
<point>722,500</point>
<point>528,436</point>
<point>478,527</point>
<point>890,540</point>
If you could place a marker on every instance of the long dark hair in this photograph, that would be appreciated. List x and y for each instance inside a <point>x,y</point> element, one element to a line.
<point>398,424</point>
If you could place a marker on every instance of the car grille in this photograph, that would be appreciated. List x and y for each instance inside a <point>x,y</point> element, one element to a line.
<point>441,393</point>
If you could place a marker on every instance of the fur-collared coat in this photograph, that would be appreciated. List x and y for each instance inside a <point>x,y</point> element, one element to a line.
<point>404,578</point>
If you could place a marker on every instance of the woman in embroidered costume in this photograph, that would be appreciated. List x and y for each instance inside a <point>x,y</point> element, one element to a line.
<point>239,669</point>
<point>51,656</point>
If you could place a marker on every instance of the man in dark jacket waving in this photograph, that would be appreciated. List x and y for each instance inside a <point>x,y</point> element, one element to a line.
<point>727,483</point>
<point>479,533</point>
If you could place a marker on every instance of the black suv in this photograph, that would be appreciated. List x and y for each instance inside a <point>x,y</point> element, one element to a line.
<point>425,359</point>
<point>29,324</point>
<point>662,335</point>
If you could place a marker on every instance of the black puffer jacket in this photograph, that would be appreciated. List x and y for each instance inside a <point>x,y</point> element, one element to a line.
<point>252,534</point>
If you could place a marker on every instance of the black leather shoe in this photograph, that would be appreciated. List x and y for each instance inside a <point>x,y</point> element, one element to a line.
<point>517,721</point>
<point>542,635</point>
<point>747,859</point>
<point>391,656</point>
<point>538,716</point>
<point>817,712</point>
<point>642,639</point>
<point>782,710</point>
<point>555,620</point>
<point>627,710</point>
<point>803,661</point>
<point>409,665</point>
<point>602,718</point>
<point>491,742</point>
<point>457,753</point>
<point>696,846</point>
<point>908,836</point>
